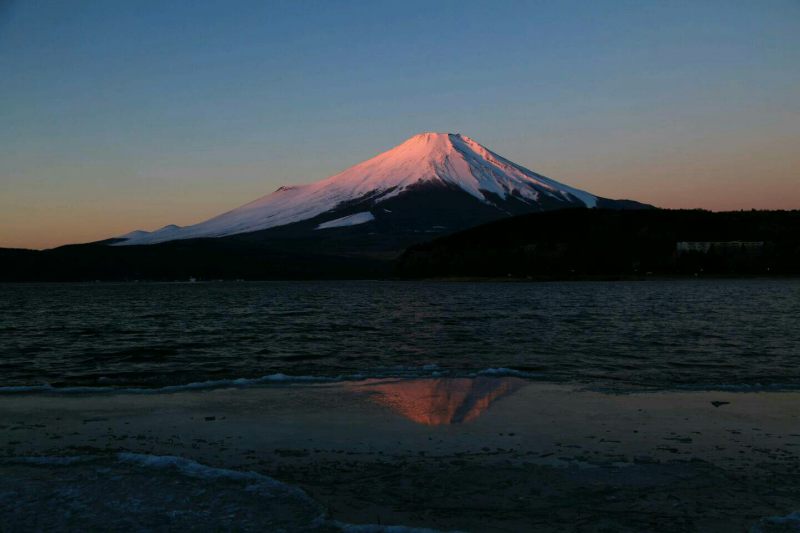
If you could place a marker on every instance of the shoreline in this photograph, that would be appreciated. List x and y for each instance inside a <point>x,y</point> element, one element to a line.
<point>485,454</point>
<point>279,379</point>
<point>444,279</point>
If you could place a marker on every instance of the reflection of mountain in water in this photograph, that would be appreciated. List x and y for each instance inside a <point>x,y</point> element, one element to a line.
<point>441,401</point>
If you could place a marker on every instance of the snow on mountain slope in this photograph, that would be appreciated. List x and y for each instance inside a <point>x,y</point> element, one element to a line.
<point>350,220</point>
<point>424,159</point>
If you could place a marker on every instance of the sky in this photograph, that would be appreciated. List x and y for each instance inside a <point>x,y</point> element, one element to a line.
<point>117,116</point>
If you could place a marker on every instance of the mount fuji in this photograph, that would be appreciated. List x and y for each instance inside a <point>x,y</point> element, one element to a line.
<point>433,183</point>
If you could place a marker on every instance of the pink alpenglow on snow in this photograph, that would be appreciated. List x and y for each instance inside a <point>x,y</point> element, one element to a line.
<point>448,159</point>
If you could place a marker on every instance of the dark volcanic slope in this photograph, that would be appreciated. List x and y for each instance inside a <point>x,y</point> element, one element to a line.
<point>421,213</point>
<point>576,242</point>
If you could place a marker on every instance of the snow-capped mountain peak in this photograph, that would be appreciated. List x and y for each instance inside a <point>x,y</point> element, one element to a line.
<point>450,158</point>
<point>428,159</point>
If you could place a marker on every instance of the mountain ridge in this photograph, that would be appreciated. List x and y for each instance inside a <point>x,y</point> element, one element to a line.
<point>426,161</point>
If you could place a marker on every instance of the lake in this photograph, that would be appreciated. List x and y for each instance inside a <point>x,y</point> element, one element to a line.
<point>717,334</point>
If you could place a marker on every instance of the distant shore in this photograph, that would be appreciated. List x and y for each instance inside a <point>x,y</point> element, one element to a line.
<point>565,244</point>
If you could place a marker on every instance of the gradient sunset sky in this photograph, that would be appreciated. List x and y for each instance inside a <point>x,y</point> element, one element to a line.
<point>117,116</point>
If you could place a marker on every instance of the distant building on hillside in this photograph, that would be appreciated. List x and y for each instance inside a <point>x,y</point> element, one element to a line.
<point>720,247</point>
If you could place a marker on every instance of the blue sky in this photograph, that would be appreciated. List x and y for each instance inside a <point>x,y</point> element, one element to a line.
<point>122,115</point>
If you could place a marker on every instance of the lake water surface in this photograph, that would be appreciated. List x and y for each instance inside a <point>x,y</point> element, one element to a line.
<point>622,335</point>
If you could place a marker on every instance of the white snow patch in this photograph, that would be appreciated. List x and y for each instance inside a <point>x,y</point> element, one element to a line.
<point>502,372</point>
<point>350,220</point>
<point>198,470</point>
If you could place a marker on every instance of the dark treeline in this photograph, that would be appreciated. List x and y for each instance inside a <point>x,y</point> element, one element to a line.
<point>596,242</point>
<point>570,243</point>
<point>203,259</point>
